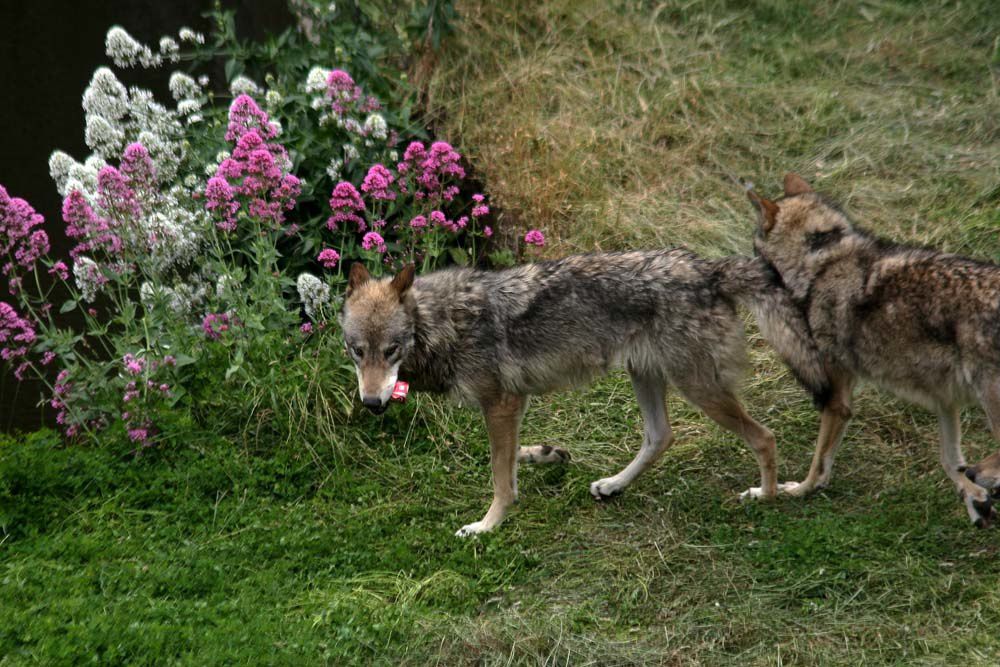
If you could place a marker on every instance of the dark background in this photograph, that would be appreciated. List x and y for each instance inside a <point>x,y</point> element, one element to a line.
<point>48,52</point>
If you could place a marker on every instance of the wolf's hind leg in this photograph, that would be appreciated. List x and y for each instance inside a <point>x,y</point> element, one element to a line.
<point>722,407</point>
<point>503,421</point>
<point>542,454</point>
<point>832,423</point>
<point>978,502</point>
<point>651,393</point>
<point>986,473</point>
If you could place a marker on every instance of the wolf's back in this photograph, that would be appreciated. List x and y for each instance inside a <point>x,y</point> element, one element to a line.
<point>752,282</point>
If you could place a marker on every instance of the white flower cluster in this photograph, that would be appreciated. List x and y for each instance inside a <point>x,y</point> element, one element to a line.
<point>69,174</point>
<point>105,96</point>
<point>125,51</point>
<point>333,169</point>
<point>183,87</point>
<point>375,127</point>
<point>189,96</point>
<point>190,36</point>
<point>103,137</point>
<point>88,277</point>
<point>172,235</point>
<point>315,293</point>
<point>225,286</point>
<point>170,49</point>
<point>115,116</point>
<point>182,299</point>
<point>243,85</point>
<point>272,99</point>
<point>316,83</point>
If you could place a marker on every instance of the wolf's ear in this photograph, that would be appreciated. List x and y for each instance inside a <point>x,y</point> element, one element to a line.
<point>768,210</point>
<point>357,277</point>
<point>796,185</point>
<point>403,280</point>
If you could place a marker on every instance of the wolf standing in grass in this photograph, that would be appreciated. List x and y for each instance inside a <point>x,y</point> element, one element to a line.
<point>921,323</point>
<point>491,339</point>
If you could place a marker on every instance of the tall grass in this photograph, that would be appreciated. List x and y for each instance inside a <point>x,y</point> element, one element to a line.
<point>620,124</point>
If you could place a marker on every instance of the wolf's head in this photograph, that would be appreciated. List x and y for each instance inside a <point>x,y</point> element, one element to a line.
<point>798,228</point>
<point>377,321</point>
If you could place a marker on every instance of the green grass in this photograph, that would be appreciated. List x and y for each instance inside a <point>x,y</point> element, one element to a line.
<point>204,554</point>
<point>608,125</point>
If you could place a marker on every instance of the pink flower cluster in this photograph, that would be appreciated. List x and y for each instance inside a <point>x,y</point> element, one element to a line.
<point>60,270</point>
<point>329,257</point>
<point>535,238</point>
<point>257,171</point>
<point>17,218</point>
<point>430,170</point>
<point>377,182</point>
<point>373,241</point>
<point>134,365</point>
<point>216,324</point>
<point>16,336</point>
<point>480,209</point>
<point>60,394</point>
<point>138,425</point>
<point>345,201</point>
<point>345,95</point>
<point>121,193</point>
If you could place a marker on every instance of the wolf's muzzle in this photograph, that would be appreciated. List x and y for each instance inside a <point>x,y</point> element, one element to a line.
<point>375,405</point>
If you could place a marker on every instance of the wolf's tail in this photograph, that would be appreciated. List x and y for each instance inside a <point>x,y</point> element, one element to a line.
<point>755,284</point>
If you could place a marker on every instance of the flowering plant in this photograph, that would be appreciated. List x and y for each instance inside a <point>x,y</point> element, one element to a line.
<point>203,231</point>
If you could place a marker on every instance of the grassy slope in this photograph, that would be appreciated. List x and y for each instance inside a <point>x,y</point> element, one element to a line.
<point>609,127</point>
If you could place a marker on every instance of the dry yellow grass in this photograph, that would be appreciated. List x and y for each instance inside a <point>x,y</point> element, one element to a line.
<point>613,125</point>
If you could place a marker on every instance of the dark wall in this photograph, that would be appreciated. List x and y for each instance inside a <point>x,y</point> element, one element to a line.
<point>48,52</point>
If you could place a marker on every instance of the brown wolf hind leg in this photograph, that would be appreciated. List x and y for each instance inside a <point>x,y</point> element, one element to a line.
<point>977,500</point>
<point>651,393</point>
<point>503,421</point>
<point>726,410</point>
<point>832,424</point>
<point>986,473</point>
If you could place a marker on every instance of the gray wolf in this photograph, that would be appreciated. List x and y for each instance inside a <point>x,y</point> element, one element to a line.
<point>923,324</point>
<point>491,339</point>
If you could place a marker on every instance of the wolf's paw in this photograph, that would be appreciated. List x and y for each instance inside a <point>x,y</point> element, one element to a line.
<point>756,492</point>
<point>559,455</point>
<point>606,488</point>
<point>543,454</point>
<point>981,511</point>
<point>753,493</point>
<point>791,488</point>
<point>471,529</point>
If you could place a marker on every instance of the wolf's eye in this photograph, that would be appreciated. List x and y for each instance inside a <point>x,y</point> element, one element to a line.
<point>358,352</point>
<point>391,351</point>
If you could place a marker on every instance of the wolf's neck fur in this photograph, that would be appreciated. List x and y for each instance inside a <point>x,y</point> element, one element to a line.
<point>444,307</point>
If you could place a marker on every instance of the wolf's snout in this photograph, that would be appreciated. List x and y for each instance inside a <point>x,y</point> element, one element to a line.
<point>375,404</point>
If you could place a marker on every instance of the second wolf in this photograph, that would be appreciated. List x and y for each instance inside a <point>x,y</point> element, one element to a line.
<point>921,323</point>
<point>492,338</point>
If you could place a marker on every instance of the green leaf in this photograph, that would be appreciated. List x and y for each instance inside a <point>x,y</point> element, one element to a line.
<point>459,256</point>
<point>184,360</point>
<point>68,306</point>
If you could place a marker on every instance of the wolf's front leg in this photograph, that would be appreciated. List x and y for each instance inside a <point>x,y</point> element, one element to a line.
<point>503,421</point>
